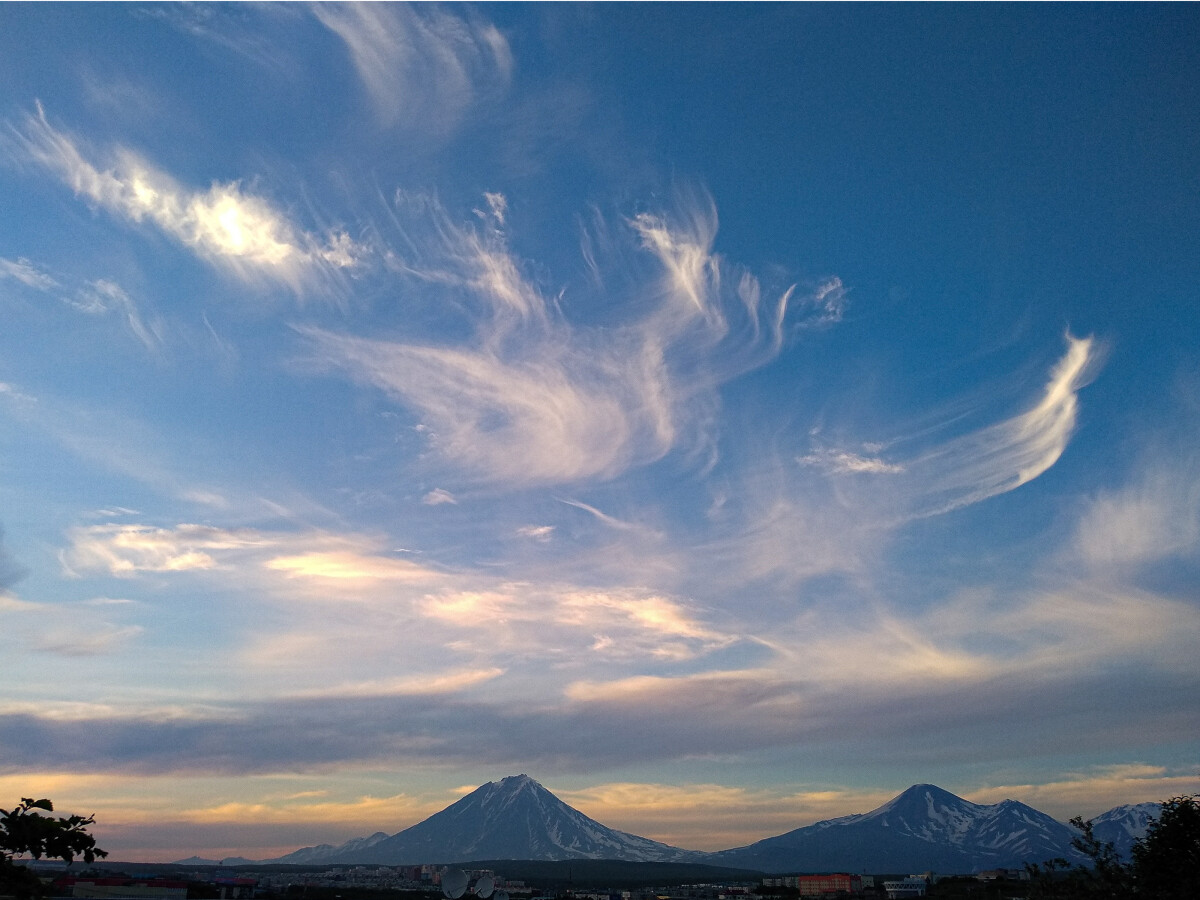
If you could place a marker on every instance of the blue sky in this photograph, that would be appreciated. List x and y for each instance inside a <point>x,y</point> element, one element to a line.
<point>727,415</point>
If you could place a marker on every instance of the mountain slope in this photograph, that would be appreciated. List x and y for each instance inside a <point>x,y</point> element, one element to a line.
<point>515,818</point>
<point>1123,825</point>
<point>924,828</point>
<point>323,853</point>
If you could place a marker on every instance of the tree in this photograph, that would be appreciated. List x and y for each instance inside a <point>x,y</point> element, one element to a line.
<point>1165,866</point>
<point>26,832</point>
<point>1106,877</point>
<point>1166,862</point>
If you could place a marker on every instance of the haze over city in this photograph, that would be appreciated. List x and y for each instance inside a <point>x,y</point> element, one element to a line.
<point>728,415</point>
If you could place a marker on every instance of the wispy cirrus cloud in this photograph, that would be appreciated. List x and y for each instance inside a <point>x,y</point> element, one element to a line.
<point>103,295</point>
<point>844,462</point>
<point>423,66</point>
<point>127,550</point>
<point>95,297</point>
<point>1004,456</point>
<point>532,398</point>
<point>1155,517</point>
<point>982,463</point>
<point>835,507</point>
<point>88,628</point>
<point>225,225</point>
<point>27,273</point>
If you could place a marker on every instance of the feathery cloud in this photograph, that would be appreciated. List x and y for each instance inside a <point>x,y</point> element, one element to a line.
<point>27,273</point>
<point>532,398</point>
<point>423,67</point>
<point>94,298</point>
<point>225,225</point>
<point>1004,456</point>
<point>1154,518</point>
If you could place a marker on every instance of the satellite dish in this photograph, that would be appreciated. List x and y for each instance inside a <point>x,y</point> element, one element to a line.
<point>454,883</point>
<point>484,886</point>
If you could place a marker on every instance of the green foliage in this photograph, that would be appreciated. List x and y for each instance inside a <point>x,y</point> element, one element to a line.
<point>1165,866</point>
<point>26,832</point>
<point>1106,877</point>
<point>1166,862</point>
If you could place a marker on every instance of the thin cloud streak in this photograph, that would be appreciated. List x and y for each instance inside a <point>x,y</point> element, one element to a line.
<point>93,298</point>
<point>423,67</point>
<point>1002,457</point>
<point>225,225</point>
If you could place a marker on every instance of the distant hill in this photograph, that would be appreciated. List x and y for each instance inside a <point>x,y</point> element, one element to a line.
<point>323,853</point>
<point>924,828</point>
<point>227,861</point>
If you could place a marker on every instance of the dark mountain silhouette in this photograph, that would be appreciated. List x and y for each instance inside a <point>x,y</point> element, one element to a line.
<point>515,818</point>
<point>924,828</point>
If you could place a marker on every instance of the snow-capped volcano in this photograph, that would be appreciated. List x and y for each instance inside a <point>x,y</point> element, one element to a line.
<point>515,818</point>
<point>924,828</point>
<point>1122,826</point>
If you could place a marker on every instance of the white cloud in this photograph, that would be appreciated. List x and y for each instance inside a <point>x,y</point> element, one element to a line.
<point>610,521</point>
<point>1154,518</point>
<point>94,298</point>
<point>27,273</point>
<point>350,564</point>
<point>69,629</point>
<point>531,398</point>
<point>424,67</point>
<point>410,685</point>
<point>226,224</point>
<point>537,532</point>
<point>844,462</point>
<point>102,295</point>
<point>979,464</point>
<point>125,550</point>
<point>1004,456</point>
<point>437,497</point>
<point>549,621</point>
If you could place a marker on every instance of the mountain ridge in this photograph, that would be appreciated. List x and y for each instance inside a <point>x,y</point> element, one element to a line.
<point>923,828</point>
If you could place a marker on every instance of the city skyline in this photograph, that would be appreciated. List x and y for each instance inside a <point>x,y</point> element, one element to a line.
<point>724,415</point>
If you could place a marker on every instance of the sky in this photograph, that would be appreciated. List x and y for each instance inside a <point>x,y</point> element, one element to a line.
<point>727,415</point>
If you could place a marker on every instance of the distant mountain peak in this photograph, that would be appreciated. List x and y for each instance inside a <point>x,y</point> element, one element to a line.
<point>923,828</point>
<point>1122,826</point>
<point>514,818</point>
